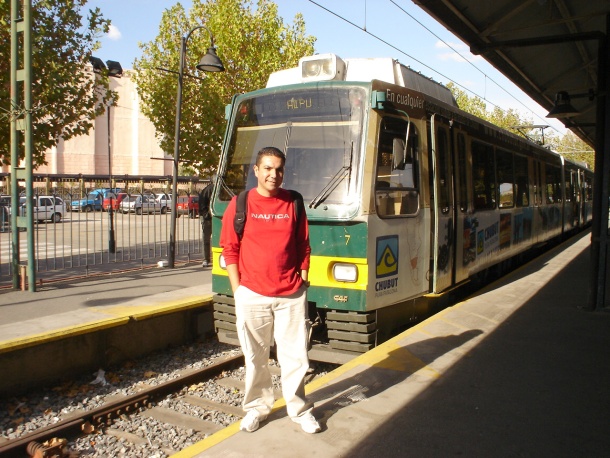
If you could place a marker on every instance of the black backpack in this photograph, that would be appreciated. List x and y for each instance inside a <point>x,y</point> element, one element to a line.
<point>242,207</point>
<point>204,201</point>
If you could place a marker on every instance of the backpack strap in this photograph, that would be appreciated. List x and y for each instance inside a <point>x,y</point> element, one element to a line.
<point>240,213</point>
<point>299,206</point>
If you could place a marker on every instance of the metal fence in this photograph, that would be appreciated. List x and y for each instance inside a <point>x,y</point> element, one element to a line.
<point>83,242</point>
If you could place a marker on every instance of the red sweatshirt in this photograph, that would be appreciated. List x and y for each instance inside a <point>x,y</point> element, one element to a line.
<point>272,251</point>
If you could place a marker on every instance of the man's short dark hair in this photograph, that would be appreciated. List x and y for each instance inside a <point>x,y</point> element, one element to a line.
<point>270,151</point>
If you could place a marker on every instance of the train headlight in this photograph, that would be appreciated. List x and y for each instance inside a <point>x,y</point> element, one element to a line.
<point>322,67</point>
<point>345,272</point>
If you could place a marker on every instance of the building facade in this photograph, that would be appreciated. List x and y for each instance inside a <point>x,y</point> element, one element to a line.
<point>122,142</point>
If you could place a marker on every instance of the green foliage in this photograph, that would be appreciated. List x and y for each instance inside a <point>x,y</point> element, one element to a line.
<point>572,147</point>
<point>66,97</point>
<point>475,106</point>
<point>507,120</point>
<point>251,40</point>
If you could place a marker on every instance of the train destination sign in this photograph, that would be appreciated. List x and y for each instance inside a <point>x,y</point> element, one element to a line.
<point>337,102</point>
<point>406,100</point>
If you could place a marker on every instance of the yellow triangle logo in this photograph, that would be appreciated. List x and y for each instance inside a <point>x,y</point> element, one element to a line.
<point>387,264</point>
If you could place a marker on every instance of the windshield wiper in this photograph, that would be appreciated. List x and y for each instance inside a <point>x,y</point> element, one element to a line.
<point>335,180</point>
<point>330,187</point>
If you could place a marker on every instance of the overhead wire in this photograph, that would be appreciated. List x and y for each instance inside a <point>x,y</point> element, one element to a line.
<point>487,77</point>
<point>364,29</point>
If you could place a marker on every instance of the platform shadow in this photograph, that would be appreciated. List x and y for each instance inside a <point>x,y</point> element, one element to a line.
<point>399,364</point>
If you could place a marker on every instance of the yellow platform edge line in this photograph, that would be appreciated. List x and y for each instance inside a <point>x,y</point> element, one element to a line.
<point>144,311</point>
<point>62,333</point>
<point>125,315</point>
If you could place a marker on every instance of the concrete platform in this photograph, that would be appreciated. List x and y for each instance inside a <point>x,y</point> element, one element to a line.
<point>521,369</point>
<point>68,328</point>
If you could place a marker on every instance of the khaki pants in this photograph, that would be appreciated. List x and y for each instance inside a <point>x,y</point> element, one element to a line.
<point>260,319</point>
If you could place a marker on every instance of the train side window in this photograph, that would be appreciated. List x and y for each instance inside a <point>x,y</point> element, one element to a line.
<point>461,168</point>
<point>483,179</point>
<point>568,185</point>
<point>537,183</point>
<point>588,189</point>
<point>553,184</point>
<point>506,178</point>
<point>396,182</point>
<point>575,186</point>
<point>522,181</point>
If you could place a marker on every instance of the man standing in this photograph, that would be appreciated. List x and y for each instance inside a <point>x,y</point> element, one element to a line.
<point>206,222</point>
<point>268,268</point>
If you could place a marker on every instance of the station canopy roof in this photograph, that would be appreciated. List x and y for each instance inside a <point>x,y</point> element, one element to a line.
<point>543,46</point>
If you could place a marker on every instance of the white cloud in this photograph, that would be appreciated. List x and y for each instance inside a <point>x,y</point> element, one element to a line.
<point>449,52</point>
<point>114,33</point>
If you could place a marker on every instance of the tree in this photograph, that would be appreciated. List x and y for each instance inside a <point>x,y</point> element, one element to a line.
<point>506,119</point>
<point>575,149</point>
<point>252,42</point>
<point>66,97</point>
<point>475,105</point>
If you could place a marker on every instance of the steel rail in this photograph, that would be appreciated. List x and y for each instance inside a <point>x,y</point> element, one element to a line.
<point>103,416</point>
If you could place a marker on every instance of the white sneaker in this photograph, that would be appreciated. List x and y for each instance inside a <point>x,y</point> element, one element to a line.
<point>308,423</point>
<point>205,264</point>
<point>251,421</point>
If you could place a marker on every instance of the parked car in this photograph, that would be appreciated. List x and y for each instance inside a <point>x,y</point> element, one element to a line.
<point>93,201</point>
<point>50,208</point>
<point>139,204</point>
<point>188,205</point>
<point>165,201</point>
<point>113,200</point>
<point>5,212</point>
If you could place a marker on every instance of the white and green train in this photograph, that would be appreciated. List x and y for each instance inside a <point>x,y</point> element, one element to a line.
<point>407,196</point>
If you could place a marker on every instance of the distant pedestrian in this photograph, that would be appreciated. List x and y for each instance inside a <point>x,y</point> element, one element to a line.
<point>205,218</point>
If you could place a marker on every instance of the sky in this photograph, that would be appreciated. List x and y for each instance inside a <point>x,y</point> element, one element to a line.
<point>394,28</point>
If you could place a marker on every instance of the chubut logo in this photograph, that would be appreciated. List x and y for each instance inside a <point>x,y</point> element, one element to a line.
<point>387,256</point>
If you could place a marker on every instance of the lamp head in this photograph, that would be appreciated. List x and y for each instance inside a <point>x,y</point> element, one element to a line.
<point>563,108</point>
<point>97,64</point>
<point>211,62</point>
<point>114,68</point>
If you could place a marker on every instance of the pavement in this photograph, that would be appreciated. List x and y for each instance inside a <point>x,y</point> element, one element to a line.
<point>85,300</point>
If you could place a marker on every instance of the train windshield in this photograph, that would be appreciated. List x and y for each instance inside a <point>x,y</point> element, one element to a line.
<point>318,129</point>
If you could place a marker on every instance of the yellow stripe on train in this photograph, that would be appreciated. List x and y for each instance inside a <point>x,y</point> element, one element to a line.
<point>320,271</point>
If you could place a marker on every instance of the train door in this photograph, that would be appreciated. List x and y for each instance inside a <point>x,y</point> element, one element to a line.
<point>579,197</point>
<point>443,246</point>
<point>572,205</point>
<point>398,236</point>
<point>538,204</point>
<point>537,183</point>
<point>465,232</point>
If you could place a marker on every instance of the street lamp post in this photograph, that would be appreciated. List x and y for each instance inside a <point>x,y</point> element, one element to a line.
<point>209,63</point>
<point>111,238</point>
<point>116,71</point>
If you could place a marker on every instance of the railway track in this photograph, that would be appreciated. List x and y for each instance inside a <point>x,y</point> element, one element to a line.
<point>186,409</point>
<point>103,419</point>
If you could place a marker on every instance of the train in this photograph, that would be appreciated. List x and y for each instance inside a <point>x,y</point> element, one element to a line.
<point>407,196</point>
